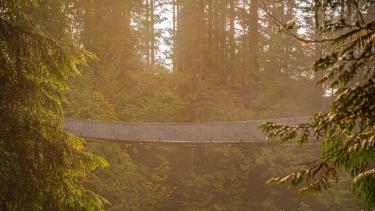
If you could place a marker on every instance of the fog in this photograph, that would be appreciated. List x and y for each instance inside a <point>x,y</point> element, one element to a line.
<point>187,105</point>
<point>196,62</point>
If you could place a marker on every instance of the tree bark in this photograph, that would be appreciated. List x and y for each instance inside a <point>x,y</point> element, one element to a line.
<point>231,37</point>
<point>174,56</point>
<point>147,26</point>
<point>254,36</point>
<point>152,31</point>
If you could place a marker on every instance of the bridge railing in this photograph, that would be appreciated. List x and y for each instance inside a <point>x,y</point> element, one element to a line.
<point>241,131</point>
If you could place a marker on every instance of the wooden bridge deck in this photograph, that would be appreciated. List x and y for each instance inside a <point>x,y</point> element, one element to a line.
<point>212,132</point>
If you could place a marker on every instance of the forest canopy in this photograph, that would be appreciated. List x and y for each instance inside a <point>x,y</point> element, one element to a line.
<point>185,61</point>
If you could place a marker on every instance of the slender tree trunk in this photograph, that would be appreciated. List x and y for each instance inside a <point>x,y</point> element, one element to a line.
<point>179,37</point>
<point>147,26</point>
<point>318,53</point>
<point>244,44</point>
<point>232,42</point>
<point>152,31</point>
<point>254,36</point>
<point>201,40</point>
<point>222,40</point>
<point>174,56</point>
<point>217,51</point>
<point>210,32</point>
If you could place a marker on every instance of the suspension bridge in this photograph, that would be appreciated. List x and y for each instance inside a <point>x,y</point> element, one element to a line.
<point>197,133</point>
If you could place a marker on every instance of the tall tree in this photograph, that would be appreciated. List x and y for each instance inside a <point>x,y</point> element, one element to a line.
<point>231,38</point>
<point>174,28</point>
<point>254,36</point>
<point>114,42</point>
<point>41,165</point>
<point>347,128</point>
<point>152,33</point>
<point>147,40</point>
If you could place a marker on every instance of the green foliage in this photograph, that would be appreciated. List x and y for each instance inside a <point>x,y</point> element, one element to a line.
<point>214,77</point>
<point>41,165</point>
<point>347,128</point>
<point>128,185</point>
<point>150,97</point>
<point>89,104</point>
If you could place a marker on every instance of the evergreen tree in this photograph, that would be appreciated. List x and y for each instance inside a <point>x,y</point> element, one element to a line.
<point>347,127</point>
<point>41,165</point>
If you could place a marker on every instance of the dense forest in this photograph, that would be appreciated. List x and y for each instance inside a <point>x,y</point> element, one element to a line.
<point>192,61</point>
<point>186,61</point>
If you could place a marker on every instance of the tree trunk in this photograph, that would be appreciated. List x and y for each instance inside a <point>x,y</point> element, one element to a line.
<point>222,40</point>
<point>147,26</point>
<point>202,32</point>
<point>318,53</point>
<point>231,37</point>
<point>174,56</point>
<point>152,31</point>
<point>254,36</point>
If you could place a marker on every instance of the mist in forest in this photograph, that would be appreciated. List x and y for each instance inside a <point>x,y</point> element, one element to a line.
<point>198,61</point>
<point>179,61</point>
<point>187,61</point>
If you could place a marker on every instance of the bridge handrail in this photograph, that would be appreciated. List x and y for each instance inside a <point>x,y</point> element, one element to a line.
<point>237,131</point>
<point>187,123</point>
